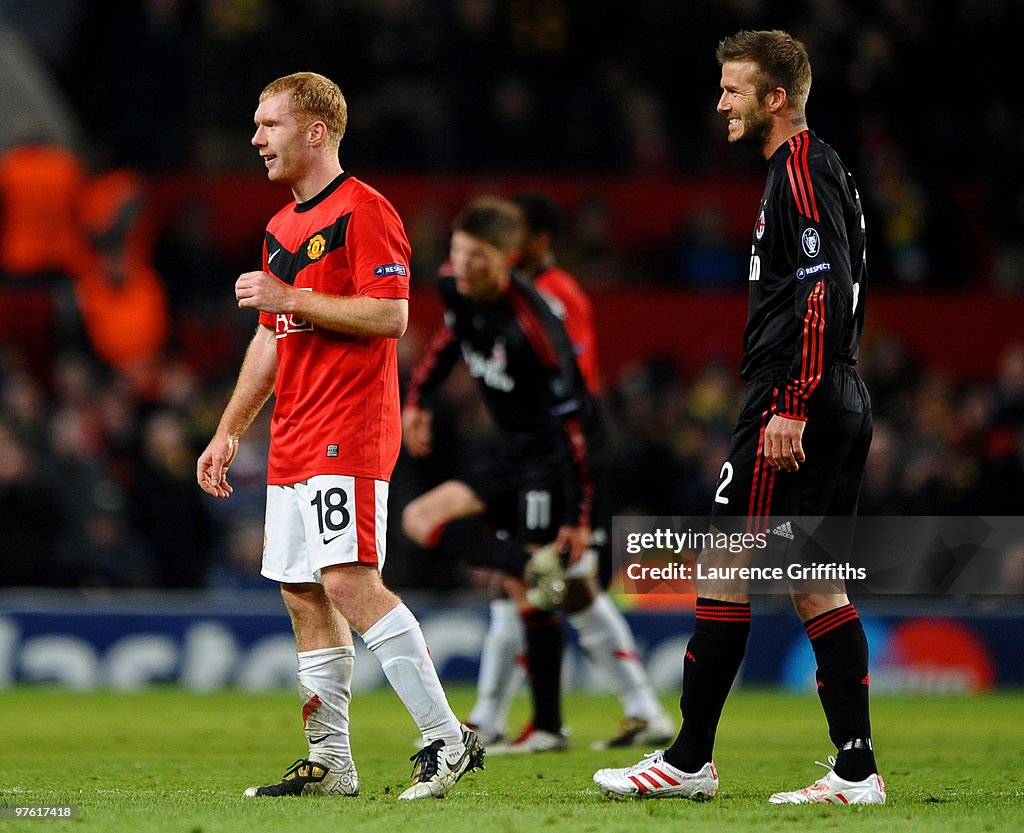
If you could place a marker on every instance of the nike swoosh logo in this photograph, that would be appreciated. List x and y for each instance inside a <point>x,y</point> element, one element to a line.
<point>456,765</point>
<point>320,739</point>
<point>335,538</point>
<point>275,254</point>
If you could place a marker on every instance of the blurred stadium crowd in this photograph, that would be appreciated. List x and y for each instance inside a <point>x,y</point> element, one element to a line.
<point>118,342</point>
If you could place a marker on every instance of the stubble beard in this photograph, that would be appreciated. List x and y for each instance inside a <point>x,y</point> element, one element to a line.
<point>757,128</point>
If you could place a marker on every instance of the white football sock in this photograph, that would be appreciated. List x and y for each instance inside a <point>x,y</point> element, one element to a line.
<point>607,641</point>
<point>501,673</point>
<point>325,686</point>
<point>397,641</point>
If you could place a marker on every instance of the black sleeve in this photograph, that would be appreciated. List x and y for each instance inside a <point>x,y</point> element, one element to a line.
<point>568,397</point>
<point>437,362</point>
<point>820,254</point>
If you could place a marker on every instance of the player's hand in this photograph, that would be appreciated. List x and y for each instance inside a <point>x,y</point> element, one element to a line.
<point>258,290</point>
<point>213,465</point>
<point>417,430</point>
<point>574,540</point>
<point>783,443</point>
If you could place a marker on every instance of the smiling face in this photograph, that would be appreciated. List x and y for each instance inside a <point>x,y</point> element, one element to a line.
<point>480,268</point>
<point>748,114</point>
<point>282,142</point>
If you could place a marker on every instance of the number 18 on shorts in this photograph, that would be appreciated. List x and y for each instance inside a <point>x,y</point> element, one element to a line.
<point>325,520</point>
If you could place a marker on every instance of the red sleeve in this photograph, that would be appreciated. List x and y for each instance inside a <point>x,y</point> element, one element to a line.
<point>267,319</point>
<point>378,250</point>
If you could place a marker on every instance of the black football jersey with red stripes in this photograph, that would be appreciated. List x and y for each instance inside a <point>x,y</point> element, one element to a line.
<point>518,351</point>
<point>808,272</point>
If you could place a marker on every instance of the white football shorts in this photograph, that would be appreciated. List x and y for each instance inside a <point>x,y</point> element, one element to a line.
<point>325,520</point>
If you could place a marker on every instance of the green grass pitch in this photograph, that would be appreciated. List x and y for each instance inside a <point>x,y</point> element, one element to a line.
<point>168,760</point>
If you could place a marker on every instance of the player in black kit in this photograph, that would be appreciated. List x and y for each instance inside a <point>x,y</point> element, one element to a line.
<point>802,435</point>
<point>543,485</point>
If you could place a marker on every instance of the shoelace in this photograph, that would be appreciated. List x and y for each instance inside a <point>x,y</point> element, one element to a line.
<point>425,761</point>
<point>656,756</point>
<point>830,766</point>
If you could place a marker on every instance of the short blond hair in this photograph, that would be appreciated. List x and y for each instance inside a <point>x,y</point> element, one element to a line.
<point>314,97</point>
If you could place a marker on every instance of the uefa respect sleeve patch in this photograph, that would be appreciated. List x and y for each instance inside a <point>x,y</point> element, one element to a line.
<point>388,269</point>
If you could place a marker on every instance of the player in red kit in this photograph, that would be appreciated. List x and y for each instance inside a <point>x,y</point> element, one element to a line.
<point>542,229</point>
<point>332,299</point>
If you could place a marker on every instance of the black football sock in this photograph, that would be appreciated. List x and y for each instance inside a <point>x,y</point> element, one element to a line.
<point>841,651</point>
<point>470,539</point>
<point>545,640</point>
<point>713,656</point>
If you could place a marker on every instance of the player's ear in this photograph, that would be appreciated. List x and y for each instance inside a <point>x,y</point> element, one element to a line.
<point>512,257</point>
<point>777,100</point>
<point>317,133</point>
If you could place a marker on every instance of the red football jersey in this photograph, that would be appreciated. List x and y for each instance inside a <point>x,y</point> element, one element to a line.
<point>578,316</point>
<point>337,407</point>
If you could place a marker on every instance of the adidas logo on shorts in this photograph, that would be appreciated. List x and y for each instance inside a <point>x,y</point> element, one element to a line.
<point>784,531</point>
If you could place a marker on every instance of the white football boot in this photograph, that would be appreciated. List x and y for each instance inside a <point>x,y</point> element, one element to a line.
<point>654,777</point>
<point>438,766</point>
<point>532,740</point>
<point>831,789</point>
<point>306,777</point>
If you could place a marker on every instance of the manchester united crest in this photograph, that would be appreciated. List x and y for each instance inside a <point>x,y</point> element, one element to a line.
<point>315,247</point>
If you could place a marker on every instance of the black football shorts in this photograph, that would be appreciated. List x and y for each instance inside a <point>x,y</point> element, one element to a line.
<point>835,441</point>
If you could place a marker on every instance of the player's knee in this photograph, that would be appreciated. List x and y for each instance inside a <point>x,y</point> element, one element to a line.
<point>810,605</point>
<point>340,583</point>
<point>346,584</point>
<point>358,593</point>
<point>306,603</point>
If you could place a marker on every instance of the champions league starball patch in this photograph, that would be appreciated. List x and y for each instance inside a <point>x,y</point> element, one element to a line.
<point>810,242</point>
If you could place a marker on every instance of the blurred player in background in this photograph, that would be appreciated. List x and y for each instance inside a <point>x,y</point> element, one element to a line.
<point>802,436</point>
<point>542,230</point>
<point>502,659</point>
<point>544,486</point>
<point>333,300</point>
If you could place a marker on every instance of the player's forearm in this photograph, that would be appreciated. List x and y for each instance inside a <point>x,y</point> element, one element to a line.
<point>355,315</point>
<point>433,368</point>
<point>577,475</point>
<point>823,320</point>
<point>255,384</point>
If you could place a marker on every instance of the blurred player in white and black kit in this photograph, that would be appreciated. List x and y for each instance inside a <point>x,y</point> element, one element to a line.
<point>802,436</point>
<point>332,298</point>
<point>543,486</point>
<point>503,657</point>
